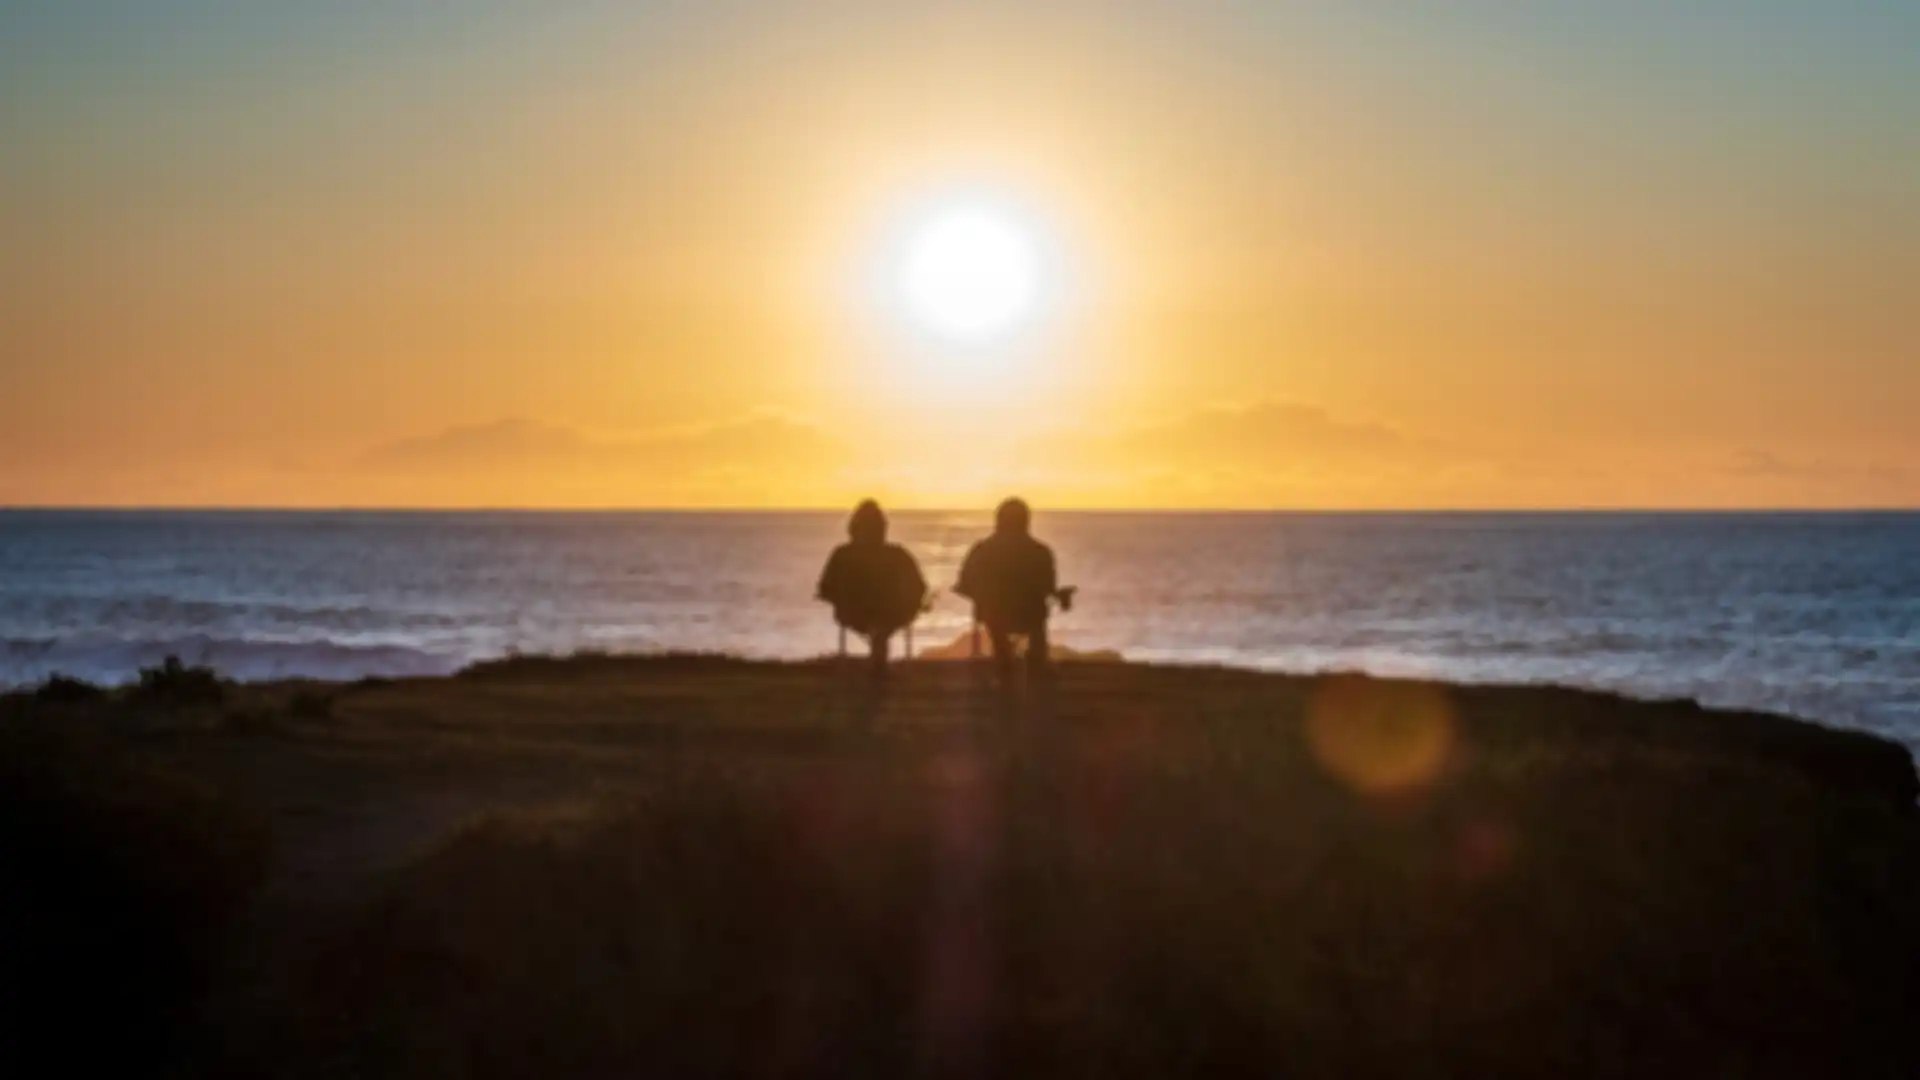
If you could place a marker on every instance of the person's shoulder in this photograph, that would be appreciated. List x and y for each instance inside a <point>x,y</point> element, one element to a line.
<point>845,555</point>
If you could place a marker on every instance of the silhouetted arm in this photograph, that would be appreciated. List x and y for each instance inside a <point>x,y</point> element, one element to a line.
<point>969,572</point>
<point>829,588</point>
<point>919,578</point>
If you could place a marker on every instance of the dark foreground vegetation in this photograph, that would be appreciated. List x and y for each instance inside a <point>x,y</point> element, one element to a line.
<point>686,866</point>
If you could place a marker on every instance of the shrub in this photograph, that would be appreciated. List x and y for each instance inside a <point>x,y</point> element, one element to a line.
<point>63,690</point>
<point>175,684</point>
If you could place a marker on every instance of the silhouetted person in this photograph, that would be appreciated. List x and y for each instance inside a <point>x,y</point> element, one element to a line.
<point>875,587</point>
<point>1010,578</point>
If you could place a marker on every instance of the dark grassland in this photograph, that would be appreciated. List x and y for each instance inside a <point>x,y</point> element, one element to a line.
<point>694,866</point>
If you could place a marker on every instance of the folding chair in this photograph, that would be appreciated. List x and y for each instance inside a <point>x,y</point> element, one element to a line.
<point>1061,598</point>
<point>907,630</point>
<point>926,605</point>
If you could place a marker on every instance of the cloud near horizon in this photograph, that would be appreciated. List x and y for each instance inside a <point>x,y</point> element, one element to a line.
<point>1802,479</point>
<point>1269,434</point>
<point>1288,450</point>
<point>1268,453</point>
<point>757,441</point>
<point>764,457</point>
<point>1260,454</point>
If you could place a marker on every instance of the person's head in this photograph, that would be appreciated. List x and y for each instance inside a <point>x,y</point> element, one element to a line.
<point>1013,518</point>
<point>868,525</point>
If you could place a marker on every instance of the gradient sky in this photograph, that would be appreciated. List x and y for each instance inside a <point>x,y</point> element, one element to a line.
<point>261,252</point>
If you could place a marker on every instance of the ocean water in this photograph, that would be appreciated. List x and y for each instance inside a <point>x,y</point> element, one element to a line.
<point>1816,615</point>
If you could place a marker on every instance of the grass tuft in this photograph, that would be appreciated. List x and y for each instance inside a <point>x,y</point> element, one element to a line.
<point>63,690</point>
<point>173,684</point>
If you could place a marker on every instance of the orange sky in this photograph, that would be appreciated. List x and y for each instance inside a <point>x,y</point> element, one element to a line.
<point>567,255</point>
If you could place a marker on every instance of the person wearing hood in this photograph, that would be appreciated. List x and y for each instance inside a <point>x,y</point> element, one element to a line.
<point>875,587</point>
<point>1011,579</point>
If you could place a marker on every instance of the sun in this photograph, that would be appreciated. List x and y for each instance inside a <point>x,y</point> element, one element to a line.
<point>970,273</point>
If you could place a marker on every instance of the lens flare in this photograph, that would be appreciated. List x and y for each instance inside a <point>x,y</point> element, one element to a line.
<point>1380,737</point>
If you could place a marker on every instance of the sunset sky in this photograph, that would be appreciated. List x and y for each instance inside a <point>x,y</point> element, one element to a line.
<point>402,253</point>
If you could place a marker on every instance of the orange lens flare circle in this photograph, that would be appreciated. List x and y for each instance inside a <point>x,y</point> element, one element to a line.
<point>1380,737</point>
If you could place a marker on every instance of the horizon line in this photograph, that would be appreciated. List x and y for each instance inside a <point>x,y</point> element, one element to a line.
<point>219,508</point>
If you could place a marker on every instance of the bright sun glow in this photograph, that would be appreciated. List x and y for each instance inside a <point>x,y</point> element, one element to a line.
<point>970,273</point>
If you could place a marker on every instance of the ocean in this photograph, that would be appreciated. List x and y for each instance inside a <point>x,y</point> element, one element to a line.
<point>1815,615</point>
